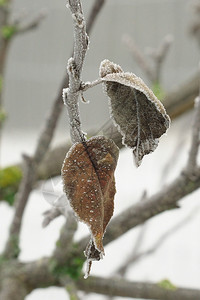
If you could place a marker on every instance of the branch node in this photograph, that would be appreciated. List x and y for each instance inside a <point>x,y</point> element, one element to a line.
<point>72,69</point>
<point>64,95</point>
<point>79,19</point>
<point>27,158</point>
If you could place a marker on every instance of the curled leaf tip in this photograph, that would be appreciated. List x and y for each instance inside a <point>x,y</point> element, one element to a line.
<point>108,67</point>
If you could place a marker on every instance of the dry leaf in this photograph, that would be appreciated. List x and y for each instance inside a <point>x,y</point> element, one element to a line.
<point>88,178</point>
<point>138,114</point>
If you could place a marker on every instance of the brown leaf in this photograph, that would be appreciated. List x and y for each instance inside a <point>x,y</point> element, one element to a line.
<point>88,178</point>
<point>138,114</point>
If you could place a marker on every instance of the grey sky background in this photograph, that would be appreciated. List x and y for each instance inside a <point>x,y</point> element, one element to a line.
<point>37,60</point>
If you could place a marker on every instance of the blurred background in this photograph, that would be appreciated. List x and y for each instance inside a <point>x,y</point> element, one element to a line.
<point>37,59</point>
<point>35,67</point>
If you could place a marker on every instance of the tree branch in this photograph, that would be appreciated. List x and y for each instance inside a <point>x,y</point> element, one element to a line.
<point>50,215</point>
<point>141,290</point>
<point>139,57</point>
<point>42,147</point>
<point>160,54</point>
<point>37,275</point>
<point>65,242</point>
<point>181,98</point>
<point>10,289</point>
<point>192,159</point>
<point>74,68</point>
<point>31,25</point>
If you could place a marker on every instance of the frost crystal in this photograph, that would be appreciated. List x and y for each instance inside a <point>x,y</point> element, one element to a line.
<point>67,4</point>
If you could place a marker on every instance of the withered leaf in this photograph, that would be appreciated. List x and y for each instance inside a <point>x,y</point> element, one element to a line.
<point>88,179</point>
<point>138,114</point>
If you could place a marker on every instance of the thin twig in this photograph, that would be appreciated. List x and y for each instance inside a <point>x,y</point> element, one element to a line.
<point>56,211</point>
<point>160,54</point>
<point>74,68</point>
<point>49,216</point>
<point>122,270</point>
<point>94,12</point>
<point>139,57</point>
<point>138,256</point>
<point>195,25</point>
<point>192,159</point>
<point>64,243</point>
<point>30,25</point>
<point>87,85</point>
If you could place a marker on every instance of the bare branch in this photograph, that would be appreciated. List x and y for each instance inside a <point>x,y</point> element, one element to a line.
<point>134,255</point>
<point>160,54</point>
<point>37,275</point>
<point>163,48</point>
<point>74,68</point>
<point>139,57</point>
<point>49,216</point>
<point>31,25</point>
<point>195,25</point>
<point>10,289</point>
<point>192,159</point>
<point>98,4</point>
<point>87,85</point>
<point>141,290</point>
<point>64,243</point>
<point>181,98</point>
<point>123,268</point>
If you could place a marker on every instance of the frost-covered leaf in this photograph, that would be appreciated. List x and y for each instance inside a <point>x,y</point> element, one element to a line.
<point>88,178</point>
<point>139,115</point>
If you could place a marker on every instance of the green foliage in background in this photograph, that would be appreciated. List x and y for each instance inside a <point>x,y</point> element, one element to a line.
<point>2,116</point>
<point>3,2</point>
<point>8,31</point>
<point>158,90</point>
<point>10,178</point>
<point>166,284</point>
<point>71,268</point>
<point>15,245</point>
<point>1,83</point>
